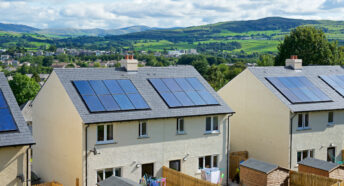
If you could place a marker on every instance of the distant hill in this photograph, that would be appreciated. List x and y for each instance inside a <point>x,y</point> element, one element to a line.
<point>17,28</point>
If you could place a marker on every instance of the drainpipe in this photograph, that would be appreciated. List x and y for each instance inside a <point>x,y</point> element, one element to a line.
<point>86,154</point>
<point>227,176</point>
<point>27,165</point>
<point>291,138</point>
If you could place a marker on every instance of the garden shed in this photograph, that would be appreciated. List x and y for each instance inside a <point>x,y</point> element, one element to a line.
<point>321,168</point>
<point>254,172</point>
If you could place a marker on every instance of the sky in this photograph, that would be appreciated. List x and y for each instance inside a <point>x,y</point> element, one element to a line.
<point>113,14</point>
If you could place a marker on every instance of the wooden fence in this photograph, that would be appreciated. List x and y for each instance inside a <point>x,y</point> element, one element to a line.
<point>234,161</point>
<point>54,183</point>
<point>306,179</point>
<point>175,178</point>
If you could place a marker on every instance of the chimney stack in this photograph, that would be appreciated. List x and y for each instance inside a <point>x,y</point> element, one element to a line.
<point>294,63</point>
<point>129,63</point>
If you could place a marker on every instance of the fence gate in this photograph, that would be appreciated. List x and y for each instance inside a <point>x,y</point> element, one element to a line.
<point>234,160</point>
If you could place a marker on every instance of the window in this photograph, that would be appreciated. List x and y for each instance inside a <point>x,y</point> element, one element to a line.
<point>180,126</point>
<point>331,154</point>
<point>105,133</point>
<point>175,164</point>
<point>304,154</point>
<point>103,174</point>
<point>118,172</point>
<point>143,129</point>
<point>303,121</point>
<point>211,124</point>
<point>210,161</point>
<point>330,118</point>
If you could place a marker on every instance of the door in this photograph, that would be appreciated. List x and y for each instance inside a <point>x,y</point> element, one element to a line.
<point>175,164</point>
<point>148,169</point>
<point>331,154</point>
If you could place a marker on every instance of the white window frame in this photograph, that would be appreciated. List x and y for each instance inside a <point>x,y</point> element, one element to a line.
<point>113,172</point>
<point>328,116</point>
<point>178,126</point>
<point>140,129</point>
<point>303,127</point>
<point>105,141</point>
<point>211,131</point>
<point>308,154</point>
<point>211,161</point>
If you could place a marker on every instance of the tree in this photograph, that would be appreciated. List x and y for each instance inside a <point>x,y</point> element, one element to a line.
<point>266,60</point>
<point>36,77</point>
<point>52,48</point>
<point>24,88</point>
<point>311,45</point>
<point>48,61</point>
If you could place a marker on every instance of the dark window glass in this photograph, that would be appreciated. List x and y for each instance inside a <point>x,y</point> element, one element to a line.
<point>118,172</point>
<point>175,164</point>
<point>304,154</point>
<point>109,131</point>
<point>306,120</point>
<point>180,125</point>
<point>208,124</point>
<point>200,163</point>
<point>143,129</point>
<point>207,162</point>
<point>330,117</point>
<point>215,123</point>
<point>100,175</point>
<point>108,173</point>
<point>311,153</point>
<point>299,156</point>
<point>100,131</point>
<point>331,154</point>
<point>215,161</point>
<point>299,124</point>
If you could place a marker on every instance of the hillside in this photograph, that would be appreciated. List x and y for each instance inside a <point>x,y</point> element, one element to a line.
<point>17,28</point>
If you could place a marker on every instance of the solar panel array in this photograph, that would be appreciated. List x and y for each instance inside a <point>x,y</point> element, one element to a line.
<point>298,89</point>
<point>6,119</point>
<point>183,92</point>
<point>335,81</point>
<point>110,95</point>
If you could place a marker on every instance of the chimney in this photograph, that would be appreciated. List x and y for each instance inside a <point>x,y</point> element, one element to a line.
<point>294,63</point>
<point>129,63</point>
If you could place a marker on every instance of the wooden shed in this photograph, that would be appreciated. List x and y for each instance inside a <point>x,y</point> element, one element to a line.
<point>322,168</point>
<point>254,172</point>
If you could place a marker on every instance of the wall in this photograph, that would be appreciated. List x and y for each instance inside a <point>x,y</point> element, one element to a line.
<point>278,177</point>
<point>12,164</point>
<point>57,129</point>
<point>162,146</point>
<point>261,123</point>
<point>337,173</point>
<point>320,136</point>
<point>250,177</point>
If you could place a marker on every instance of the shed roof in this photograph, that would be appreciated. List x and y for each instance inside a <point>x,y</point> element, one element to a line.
<point>319,164</point>
<point>117,181</point>
<point>158,108</point>
<point>259,165</point>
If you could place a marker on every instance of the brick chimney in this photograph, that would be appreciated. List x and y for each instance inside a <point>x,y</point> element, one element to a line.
<point>129,63</point>
<point>294,63</point>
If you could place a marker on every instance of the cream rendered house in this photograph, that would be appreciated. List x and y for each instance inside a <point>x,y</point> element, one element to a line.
<point>285,114</point>
<point>15,140</point>
<point>94,123</point>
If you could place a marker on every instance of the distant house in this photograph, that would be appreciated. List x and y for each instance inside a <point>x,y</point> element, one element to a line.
<point>288,113</point>
<point>59,65</point>
<point>60,51</point>
<point>15,140</point>
<point>92,123</point>
<point>39,53</point>
<point>5,57</point>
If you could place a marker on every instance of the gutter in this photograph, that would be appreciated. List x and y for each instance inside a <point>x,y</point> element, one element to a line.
<point>86,154</point>
<point>227,177</point>
<point>28,180</point>
<point>291,138</point>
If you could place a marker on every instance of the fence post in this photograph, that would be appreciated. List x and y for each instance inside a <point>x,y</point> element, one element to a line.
<point>77,182</point>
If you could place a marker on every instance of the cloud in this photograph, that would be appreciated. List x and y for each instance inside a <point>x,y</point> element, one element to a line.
<point>110,14</point>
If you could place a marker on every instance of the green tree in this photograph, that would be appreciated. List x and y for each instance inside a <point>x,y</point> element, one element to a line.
<point>266,60</point>
<point>96,64</point>
<point>24,88</point>
<point>52,48</point>
<point>311,45</point>
<point>48,61</point>
<point>35,76</point>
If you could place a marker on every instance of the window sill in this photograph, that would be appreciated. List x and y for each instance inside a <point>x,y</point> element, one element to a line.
<point>181,133</point>
<point>143,137</point>
<point>211,132</point>
<point>106,142</point>
<point>306,128</point>
<point>330,124</point>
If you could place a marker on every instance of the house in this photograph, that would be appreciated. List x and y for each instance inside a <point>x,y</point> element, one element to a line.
<point>287,113</point>
<point>98,122</point>
<point>321,168</point>
<point>60,51</point>
<point>254,172</point>
<point>15,139</point>
<point>5,57</point>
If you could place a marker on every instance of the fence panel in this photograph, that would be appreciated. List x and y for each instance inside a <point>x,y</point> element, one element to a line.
<point>175,178</point>
<point>54,183</point>
<point>306,179</point>
<point>234,161</point>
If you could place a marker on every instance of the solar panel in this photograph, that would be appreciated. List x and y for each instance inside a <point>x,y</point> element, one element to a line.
<point>183,92</point>
<point>110,95</point>
<point>335,81</point>
<point>7,122</point>
<point>298,89</point>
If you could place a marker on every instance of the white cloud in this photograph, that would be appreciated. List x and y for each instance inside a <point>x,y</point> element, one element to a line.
<point>158,13</point>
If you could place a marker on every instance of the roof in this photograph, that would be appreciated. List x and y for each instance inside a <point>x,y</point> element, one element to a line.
<point>310,72</point>
<point>319,164</point>
<point>259,165</point>
<point>117,181</point>
<point>158,108</point>
<point>23,135</point>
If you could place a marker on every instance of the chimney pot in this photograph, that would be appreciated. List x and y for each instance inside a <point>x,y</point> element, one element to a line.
<point>129,63</point>
<point>126,56</point>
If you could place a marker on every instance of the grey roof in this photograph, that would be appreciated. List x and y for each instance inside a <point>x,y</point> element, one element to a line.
<point>23,135</point>
<point>310,72</point>
<point>319,164</point>
<point>259,165</point>
<point>158,107</point>
<point>117,181</point>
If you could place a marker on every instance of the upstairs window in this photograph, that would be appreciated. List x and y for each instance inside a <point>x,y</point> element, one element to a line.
<point>143,129</point>
<point>180,126</point>
<point>212,124</point>
<point>303,121</point>
<point>330,120</point>
<point>105,133</point>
